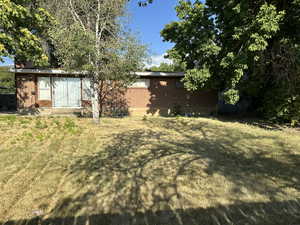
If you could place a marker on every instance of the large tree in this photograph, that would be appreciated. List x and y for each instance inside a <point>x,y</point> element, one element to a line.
<point>243,48</point>
<point>90,36</point>
<point>23,27</point>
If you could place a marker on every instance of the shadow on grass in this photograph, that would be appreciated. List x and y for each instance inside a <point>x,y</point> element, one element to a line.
<point>254,121</point>
<point>252,213</point>
<point>145,177</point>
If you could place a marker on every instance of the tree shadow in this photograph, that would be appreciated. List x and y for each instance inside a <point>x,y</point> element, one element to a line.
<point>253,120</point>
<point>205,176</point>
<point>286,212</point>
<point>112,100</point>
<point>168,98</point>
<point>25,95</point>
<point>228,156</point>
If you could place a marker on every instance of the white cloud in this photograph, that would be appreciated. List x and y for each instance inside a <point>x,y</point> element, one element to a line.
<point>156,60</point>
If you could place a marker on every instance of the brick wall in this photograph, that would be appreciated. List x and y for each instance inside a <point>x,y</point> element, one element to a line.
<point>166,95</point>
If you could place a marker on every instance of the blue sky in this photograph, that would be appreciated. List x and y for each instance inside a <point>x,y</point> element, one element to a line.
<point>7,61</point>
<point>147,22</point>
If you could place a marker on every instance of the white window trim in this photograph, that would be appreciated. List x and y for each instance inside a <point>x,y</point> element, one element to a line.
<point>45,89</point>
<point>84,96</point>
<point>141,83</point>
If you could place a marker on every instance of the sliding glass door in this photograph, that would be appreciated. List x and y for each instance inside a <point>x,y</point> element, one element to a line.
<point>66,92</point>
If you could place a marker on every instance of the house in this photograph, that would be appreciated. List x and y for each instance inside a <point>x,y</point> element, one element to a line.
<point>56,91</point>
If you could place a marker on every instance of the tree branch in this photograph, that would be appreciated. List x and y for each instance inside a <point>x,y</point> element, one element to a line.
<point>75,16</point>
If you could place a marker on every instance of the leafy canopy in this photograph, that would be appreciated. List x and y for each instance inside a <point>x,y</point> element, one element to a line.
<point>242,48</point>
<point>7,81</point>
<point>22,26</point>
<point>90,36</point>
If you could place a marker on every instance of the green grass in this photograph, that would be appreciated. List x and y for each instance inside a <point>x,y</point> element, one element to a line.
<point>147,171</point>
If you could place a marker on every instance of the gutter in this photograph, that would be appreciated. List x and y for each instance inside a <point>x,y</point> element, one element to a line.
<point>57,71</point>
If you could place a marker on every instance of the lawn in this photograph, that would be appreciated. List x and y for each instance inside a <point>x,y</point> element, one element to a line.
<point>151,170</point>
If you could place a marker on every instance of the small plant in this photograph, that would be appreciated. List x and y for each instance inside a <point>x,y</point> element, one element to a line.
<point>24,121</point>
<point>40,137</point>
<point>294,122</point>
<point>57,123</point>
<point>40,125</point>
<point>28,134</point>
<point>70,125</point>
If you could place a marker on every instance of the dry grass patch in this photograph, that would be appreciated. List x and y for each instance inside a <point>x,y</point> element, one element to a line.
<point>147,171</point>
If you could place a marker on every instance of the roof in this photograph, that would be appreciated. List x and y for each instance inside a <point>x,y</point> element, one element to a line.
<point>43,71</point>
<point>58,71</point>
<point>160,74</point>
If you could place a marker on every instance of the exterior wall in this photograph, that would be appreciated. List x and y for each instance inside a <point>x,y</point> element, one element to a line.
<point>165,95</point>
<point>41,103</point>
<point>26,92</point>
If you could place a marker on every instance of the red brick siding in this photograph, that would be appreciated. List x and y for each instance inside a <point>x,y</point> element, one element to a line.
<point>164,95</point>
<point>161,97</point>
<point>26,91</point>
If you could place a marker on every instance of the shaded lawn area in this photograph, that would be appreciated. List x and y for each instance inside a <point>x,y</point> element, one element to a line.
<point>147,171</point>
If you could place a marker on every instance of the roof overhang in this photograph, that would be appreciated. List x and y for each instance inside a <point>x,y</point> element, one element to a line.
<point>159,74</point>
<point>45,71</point>
<point>61,72</point>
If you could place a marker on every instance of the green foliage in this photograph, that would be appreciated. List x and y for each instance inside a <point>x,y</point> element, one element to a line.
<point>196,78</point>
<point>23,24</point>
<point>279,105</point>
<point>166,67</point>
<point>11,119</point>
<point>70,126</point>
<point>7,81</point>
<point>163,67</point>
<point>244,49</point>
<point>193,43</point>
<point>40,124</point>
<point>177,64</point>
<point>57,123</point>
<point>231,96</point>
<point>90,36</point>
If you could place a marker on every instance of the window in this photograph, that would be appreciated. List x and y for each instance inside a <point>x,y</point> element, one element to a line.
<point>141,83</point>
<point>44,87</point>
<point>86,89</point>
<point>163,83</point>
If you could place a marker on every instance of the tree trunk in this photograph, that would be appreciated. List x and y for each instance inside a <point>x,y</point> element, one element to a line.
<point>95,102</point>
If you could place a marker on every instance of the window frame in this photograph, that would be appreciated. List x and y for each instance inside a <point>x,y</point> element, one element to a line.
<point>48,89</point>
<point>137,83</point>
<point>84,96</point>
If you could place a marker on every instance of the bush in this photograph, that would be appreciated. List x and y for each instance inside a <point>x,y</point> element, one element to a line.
<point>280,106</point>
